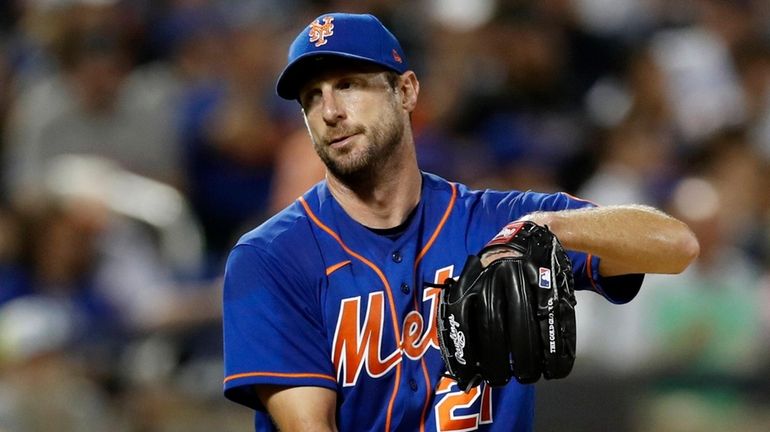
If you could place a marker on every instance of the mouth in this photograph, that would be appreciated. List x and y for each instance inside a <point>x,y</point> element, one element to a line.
<point>341,141</point>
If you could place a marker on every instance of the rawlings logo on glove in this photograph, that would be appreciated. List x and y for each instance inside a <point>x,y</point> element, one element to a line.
<point>512,314</point>
<point>458,338</point>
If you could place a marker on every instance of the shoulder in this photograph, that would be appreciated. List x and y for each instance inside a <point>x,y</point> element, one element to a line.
<point>279,253</point>
<point>287,236</point>
<point>284,227</point>
<point>435,185</point>
<point>525,200</point>
<point>466,196</point>
<point>509,204</point>
<point>290,224</point>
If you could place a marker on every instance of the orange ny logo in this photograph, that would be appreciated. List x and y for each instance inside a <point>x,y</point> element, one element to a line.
<point>319,32</point>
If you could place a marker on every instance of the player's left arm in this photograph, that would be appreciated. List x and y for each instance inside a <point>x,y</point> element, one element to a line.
<point>627,238</point>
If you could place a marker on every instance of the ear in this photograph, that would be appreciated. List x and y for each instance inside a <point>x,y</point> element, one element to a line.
<point>410,89</point>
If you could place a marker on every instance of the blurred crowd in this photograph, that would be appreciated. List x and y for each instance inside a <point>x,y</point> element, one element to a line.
<point>139,139</point>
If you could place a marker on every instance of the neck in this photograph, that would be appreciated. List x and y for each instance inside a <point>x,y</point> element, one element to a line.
<point>383,200</point>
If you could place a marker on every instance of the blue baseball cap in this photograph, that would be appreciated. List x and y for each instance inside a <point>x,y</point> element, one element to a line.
<point>352,36</point>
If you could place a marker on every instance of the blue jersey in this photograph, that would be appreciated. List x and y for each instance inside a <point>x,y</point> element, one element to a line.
<point>313,298</point>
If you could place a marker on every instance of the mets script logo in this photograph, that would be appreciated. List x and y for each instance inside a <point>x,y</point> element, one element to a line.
<point>319,32</point>
<point>358,345</point>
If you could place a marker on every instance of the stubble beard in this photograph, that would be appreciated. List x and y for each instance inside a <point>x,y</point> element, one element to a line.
<point>359,166</point>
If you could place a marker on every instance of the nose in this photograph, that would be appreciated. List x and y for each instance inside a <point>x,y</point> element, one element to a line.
<point>332,110</point>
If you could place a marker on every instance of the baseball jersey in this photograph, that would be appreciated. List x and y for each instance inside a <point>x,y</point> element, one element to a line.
<point>313,298</point>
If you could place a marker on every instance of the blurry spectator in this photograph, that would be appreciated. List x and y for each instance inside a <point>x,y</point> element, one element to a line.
<point>633,166</point>
<point>733,22</point>
<point>727,220</point>
<point>707,321</point>
<point>11,280</point>
<point>42,386</point>
<point>648,92</point>
<point>704,327</point>
<point>514,107</point>
<point>297,168</point>
<point>28,47</point>
<point>192,36</point>
<point>700,79</point>
<point>741,175</point>
<point>60,253</point>
<point>104,252</point>
<point>95,105</point>
<point>117,245</point>
<point>753,64</point>
<point>232,129</point>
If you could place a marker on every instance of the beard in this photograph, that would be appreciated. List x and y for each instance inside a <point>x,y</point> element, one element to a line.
<point>362,164</point>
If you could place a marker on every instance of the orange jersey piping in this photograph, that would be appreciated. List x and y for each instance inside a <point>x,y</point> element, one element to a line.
<point>370,264</point>
<point>590,272</point>
<point>389,416</point>
<point>280,375</point>
<point>439,227</point>
<point>333,268</point>
<point>428,245</point>
<point>388,291</point>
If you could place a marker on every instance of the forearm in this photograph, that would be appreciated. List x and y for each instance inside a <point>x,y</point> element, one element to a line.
<point>628,239</point>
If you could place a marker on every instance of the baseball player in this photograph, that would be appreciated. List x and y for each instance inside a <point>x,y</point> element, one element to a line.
<point>329,315</point>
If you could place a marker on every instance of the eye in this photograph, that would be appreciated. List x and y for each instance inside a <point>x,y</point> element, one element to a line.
<point>309,98</point>
<point>345,85</point>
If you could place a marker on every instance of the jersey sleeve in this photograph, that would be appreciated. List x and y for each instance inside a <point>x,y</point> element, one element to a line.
<point>273,326</point>
<point>585,267</point>
<point>616,289</point>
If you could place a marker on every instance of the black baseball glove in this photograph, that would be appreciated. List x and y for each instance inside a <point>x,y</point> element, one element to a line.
<point>514,317</point>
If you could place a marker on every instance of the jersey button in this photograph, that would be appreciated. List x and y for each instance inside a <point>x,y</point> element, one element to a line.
<point>413,385</point>
<point>405,288</point>
<point>397,257</point>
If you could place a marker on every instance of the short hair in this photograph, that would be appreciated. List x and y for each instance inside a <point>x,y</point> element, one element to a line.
<point>392,78</point>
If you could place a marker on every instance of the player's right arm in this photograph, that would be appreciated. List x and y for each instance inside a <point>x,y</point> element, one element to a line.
<point>305,408</point>
<point>276,354</point>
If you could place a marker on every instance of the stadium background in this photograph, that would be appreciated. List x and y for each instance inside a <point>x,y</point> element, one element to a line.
<point>139,138</point>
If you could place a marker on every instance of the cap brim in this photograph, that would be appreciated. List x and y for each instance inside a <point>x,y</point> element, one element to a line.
<point>295,74</point>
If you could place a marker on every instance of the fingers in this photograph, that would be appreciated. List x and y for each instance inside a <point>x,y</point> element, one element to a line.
<point>495,254</point>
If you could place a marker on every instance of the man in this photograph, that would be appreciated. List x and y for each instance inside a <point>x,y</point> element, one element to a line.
<point>328,323</point>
